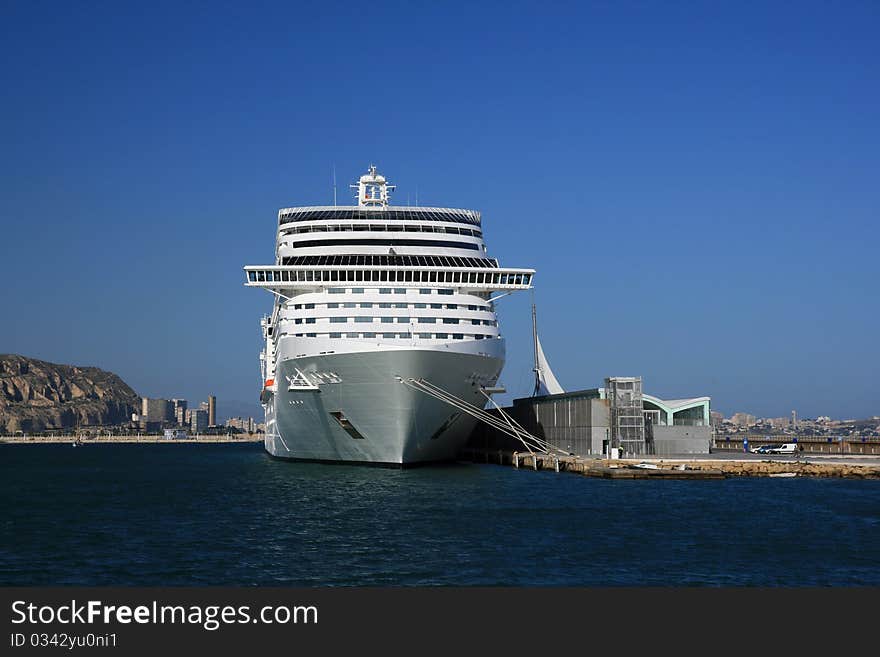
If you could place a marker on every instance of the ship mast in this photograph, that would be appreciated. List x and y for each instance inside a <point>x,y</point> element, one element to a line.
<point>373,191</point>
<point>537,368</point>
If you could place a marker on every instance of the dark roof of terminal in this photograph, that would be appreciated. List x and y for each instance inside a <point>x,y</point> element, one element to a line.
<point>589,393</point>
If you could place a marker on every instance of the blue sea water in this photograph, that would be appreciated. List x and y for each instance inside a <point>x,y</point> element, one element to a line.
<point>229,515</point>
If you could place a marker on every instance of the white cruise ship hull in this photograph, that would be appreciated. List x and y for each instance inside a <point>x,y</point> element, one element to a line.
<point>383,421</point>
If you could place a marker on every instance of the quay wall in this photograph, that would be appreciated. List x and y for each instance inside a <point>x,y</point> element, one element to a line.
<point>683,468</point>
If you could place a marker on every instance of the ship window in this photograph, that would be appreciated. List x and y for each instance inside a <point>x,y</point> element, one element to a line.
<point>450,320</point>
<point>444,291</point>
<point>388,335</point>
<point>526,279</point>
<point>351,335</point>
<point>310,320</point>
<point>458,336</point>
<point>363,320</point>
<point>349,305</point>
<point>436,305</point>
<point>336,290</point>
<point>297,306</point>
<point>400,290</point>
<point>425,335</point>
<point>333,305</point>
<point>310,335</point>
<point>478,336</point>
<point>384,305</point>
<point>366,305</point>
<point>252,276</point>
<point>427,320</point>
<point>298,320</point>
<point>421,305</point>
<point>442,336</point>
<point>309,306</point>
<point>336,335</point>
<point>403,320</point>
<point>400,305</point>
<point>338,320</point>
<point>452,306</point>
<point>334,275</point>
<point>433,277</point>
<point>387,320</point>
<point>471,307</point>
<point>369,335</point>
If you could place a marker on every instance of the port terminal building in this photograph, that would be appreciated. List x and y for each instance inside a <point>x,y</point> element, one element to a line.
<point>619,415</point>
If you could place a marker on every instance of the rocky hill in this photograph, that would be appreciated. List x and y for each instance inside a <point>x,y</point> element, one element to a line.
<point>36,396</point>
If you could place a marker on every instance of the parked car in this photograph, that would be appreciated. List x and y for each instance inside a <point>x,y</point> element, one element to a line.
<point>763,449</point>
<point>787,448</point>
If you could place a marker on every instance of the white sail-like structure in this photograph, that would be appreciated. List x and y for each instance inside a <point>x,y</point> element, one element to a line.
<point>546,380</point>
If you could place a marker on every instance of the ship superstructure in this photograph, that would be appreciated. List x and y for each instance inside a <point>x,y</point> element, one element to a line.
<point>367,296</point>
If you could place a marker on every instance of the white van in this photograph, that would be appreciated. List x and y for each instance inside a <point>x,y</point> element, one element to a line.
<point>787,448</point>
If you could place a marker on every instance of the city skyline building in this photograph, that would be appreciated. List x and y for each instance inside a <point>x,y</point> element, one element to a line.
<point>212,411</point>
<point>198,420</point>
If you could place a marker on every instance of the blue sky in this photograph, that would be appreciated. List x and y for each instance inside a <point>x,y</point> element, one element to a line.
<point>696,183</point>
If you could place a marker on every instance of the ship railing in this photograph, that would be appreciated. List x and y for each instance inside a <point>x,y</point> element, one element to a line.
<point>292,276</point>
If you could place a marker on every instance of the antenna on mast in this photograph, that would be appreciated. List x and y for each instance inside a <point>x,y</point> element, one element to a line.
<point>334,185</point>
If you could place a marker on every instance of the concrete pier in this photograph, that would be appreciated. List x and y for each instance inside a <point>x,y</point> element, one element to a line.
<point>684,468</point>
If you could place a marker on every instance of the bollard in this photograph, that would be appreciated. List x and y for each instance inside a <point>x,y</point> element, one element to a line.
<point>516,459</point>
<point>535,461</point>
<point>556,463</point>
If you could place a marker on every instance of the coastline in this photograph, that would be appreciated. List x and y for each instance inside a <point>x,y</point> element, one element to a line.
<point>48,440</point>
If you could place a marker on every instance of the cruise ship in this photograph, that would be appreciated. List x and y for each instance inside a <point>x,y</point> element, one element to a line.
<point>368,300</point>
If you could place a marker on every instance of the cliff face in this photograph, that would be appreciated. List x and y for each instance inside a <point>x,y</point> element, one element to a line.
<point>36,395</point>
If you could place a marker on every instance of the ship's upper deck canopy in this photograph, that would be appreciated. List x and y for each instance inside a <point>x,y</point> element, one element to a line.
<point>402,213</point>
